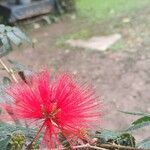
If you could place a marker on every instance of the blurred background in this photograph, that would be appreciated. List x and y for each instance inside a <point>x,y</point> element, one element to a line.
<point>103,42</point>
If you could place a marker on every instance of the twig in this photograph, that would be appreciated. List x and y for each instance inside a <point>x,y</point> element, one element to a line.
<point>90,146</point>
<point>119,147</point>
<point>29,147</point>
<point>9,71</point>
<point>103,147</point>
<point>83,146</point>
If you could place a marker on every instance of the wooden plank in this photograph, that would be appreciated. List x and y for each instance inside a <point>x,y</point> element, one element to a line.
<point>20,12</point>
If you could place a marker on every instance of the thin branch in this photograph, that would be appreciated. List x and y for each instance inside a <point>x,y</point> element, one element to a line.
<point>29,147</point>
<point>90,146</point>
<point>119,147</point>
<point>83,146</point>
<point>9,71</point>
<point>103,147</point>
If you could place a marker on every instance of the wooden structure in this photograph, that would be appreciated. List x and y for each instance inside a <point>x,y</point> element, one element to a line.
<point>14,11</point>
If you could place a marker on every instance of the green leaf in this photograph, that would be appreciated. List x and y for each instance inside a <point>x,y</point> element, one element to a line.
<point>2,28</point>
<point>8,129</point>
<point>4,142</point>
<point>10,34</point>
<point>2,94</point>
<point>145,144</point>
<point>4,97</point>
<point>8,29</point>
<point>139,123</point>
<point>6,81</point>
<point>125,139</point>
<point>135,113</point>
<point>20,34</point>
<point>121,138</point>
<point>107,134</point>
<point>17,41</point>
<point>138,126</point>
<point>6,43</point>
<point>142,120</point>
<point>14,132</point>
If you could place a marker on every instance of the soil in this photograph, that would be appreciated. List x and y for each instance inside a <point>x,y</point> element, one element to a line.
<point>121,78</point>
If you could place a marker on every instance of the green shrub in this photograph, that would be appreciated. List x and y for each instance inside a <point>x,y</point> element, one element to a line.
<point>67,5</point>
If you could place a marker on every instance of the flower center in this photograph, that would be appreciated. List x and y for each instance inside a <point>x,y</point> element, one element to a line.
<point>52,114</point>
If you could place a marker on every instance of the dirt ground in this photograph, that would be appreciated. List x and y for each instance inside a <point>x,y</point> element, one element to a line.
<point>120,77</point>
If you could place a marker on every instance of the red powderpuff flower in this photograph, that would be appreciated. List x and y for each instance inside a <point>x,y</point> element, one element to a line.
<point>61,106</point>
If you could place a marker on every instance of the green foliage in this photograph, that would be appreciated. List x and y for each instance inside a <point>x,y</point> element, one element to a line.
<point>4,82</point>
<point>17,141</point>
<point>10,128</point>
<point>118,46</point>
<point>125,139</point>
<point>135,113</point>
<point>67,5</point>
<point>140,122</point>
<point>119,138</point>
<point>14,137</point>
<point>82,34</point>
<point>107,135</point>
<point>145,144</point>
<point>4,142</point>
<point>138,126</point>
<point>9,35</point>
<point>105,9</point>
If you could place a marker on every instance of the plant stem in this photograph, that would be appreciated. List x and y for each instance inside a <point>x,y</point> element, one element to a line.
<point>87,146</point>
<point>35,138</point>
<point>103,147</point>
<point>119,147</point>
<point>9,71</point>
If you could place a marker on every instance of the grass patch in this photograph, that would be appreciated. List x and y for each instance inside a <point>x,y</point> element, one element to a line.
<point>105,9</point>
<point>82,34</point>
<point>118,46</point>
